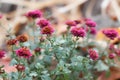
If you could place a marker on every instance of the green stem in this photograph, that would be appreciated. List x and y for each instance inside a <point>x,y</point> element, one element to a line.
<point>51,43</point>
<point>34,28</point>
<point>71,51</point>
<point>55,77</point>
<point>19,76</point>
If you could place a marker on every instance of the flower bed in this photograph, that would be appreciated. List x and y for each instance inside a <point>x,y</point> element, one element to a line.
<point>40,54</point>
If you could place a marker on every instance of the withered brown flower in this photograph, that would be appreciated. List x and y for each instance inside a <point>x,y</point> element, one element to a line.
<point>37,49</point>
<point>12,42</point>
<point>22,38</point>
<point>20,67</point>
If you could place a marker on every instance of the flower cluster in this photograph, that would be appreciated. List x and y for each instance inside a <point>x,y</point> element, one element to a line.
<point>87,25</point>
<point>23,52</point>
<point>44,24</point>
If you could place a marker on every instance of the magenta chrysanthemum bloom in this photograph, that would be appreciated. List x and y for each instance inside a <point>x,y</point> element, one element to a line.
<point>43,22</point>
<point>112,55</point>
<point>47,30</point>
<point>1,16</point>
<point>117,51</point>
<point>90,23</point>
<point>93,54</point>
<point>71,23</point>
<point>111,47</point>
<point>34,14</point>
<point>2,53</point>
<point>23,52</point>
<point>118,37</point>
<point>110,33</point>
<point>78,31</point>
<point>93,31</point>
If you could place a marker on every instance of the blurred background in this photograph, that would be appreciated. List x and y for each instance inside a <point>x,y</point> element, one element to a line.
<point>105,12</point>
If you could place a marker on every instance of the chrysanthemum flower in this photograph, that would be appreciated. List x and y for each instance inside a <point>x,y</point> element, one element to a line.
<point>34,14</point>
<point>71,23</point>
<point>112,47</point>
<point>78,31</point>
<point>20,67</point>
<point>47,30</point>
<point>110,33</point>
<point>37,49</point>
<point>78,21</point>
<point>2,54</point>
<point>112,55</point>
<point>93,54</point>
<point>1,16</point>
<point>90,23</point>
<point>93,31</point>
<point>42,23</point>
<point>23,52</point>
<point>12,42</point>
<point>42,39</point>
<point>117,51</point>
<point>22,38</point>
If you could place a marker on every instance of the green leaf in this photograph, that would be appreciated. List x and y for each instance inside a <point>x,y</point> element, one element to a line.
<point>1,66</point>
<point>39,66</point>
<point>33,74</point>
<point>13,62</point>
<point>45,77</point>
<point>26,44</point>
<point>27,70</point>
<point>27,78</point>
<point>33,46</point>
<point>119,58</point>
<point>14,75</point>
<point>100,66</point>
<point>47,59</point>
<point>107,74</point>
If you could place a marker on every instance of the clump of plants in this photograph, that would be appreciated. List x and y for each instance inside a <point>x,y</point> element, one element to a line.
<point>40,54</point>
